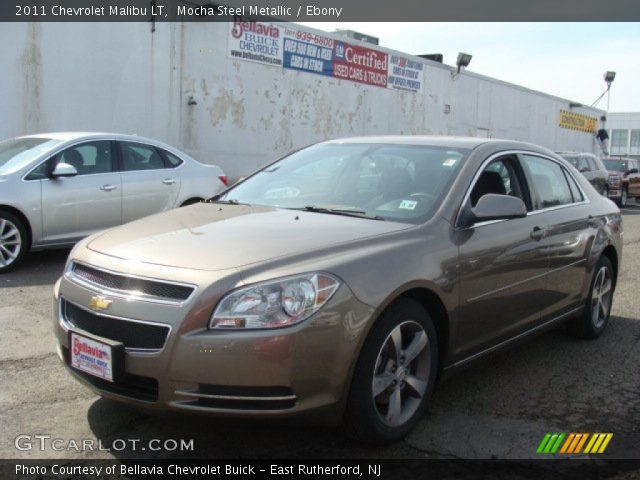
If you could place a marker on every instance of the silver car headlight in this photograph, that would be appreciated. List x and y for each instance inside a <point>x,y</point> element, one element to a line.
<point>275,303</point>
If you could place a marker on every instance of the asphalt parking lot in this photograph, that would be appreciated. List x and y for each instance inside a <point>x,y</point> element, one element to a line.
<point>499,408</point>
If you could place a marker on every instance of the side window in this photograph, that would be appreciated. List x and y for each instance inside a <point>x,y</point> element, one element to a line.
<point>575,191</point>
<point>88,158</point>
<point>172,160</point>
<point>549,182</point>
<point>40,172</point>
<point>500,177</point>
<point>138,156</point>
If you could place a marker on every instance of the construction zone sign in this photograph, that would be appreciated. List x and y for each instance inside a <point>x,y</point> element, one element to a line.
<point>576,121</point>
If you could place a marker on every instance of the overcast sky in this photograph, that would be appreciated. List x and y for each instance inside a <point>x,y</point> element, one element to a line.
<point>563,59</point>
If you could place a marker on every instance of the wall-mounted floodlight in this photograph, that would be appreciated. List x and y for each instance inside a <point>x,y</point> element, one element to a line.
<point>609,77</point>
<point>463,61</point>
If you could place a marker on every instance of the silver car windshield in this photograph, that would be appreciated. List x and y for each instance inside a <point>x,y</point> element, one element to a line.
<point>17,153</point>
<point>403,183</point>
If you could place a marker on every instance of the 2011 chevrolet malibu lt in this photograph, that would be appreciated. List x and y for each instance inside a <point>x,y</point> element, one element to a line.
<point>341,281</point>
<point>56,188</point>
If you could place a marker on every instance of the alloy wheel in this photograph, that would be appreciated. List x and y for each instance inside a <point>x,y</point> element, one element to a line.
<point>401,373</point>
<point>624,198</point>
<point>601,297</point>
<point>10,242</point>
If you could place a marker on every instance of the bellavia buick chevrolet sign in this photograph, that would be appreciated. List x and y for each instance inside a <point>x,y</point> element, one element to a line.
<point>286,47</point>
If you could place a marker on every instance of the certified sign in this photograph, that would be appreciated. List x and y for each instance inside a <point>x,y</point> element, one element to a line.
<point>360,64</point>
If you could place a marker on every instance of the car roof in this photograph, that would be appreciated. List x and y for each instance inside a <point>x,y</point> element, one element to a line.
<point>70,136</point>
<point>432,140</point>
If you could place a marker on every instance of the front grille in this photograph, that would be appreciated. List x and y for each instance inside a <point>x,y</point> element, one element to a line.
<point>133,386</point>
<point>132,285</point>
<point>133,335</point>
<point>240,398</point>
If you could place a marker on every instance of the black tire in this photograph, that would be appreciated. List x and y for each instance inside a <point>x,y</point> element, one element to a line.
<point>11,255</point>
<point>365,419</point>
<point>586,325</point>
<point>605,192</point>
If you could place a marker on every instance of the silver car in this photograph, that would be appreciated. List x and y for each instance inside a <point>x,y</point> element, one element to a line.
<point>57,188</point>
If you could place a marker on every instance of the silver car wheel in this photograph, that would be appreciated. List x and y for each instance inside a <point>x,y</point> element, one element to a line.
<point>601,297</point>
<point>10,242</point>
<point>401,373</point>
<point>624,197</point>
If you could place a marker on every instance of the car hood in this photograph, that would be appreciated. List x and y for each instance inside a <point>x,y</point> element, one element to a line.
<point>210,236</point>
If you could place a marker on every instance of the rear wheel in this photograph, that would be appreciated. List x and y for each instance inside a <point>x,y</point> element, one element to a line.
<point>394,375</point>
<point>13,241</point>
<point>597,310</point>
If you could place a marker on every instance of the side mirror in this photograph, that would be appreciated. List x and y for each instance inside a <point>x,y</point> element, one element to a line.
<point>632,171</point>
<point>493,207</point>
<point>64,170</point>
<point>584,169</point>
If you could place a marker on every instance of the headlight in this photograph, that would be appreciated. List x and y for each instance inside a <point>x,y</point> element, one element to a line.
<point>275,303</point>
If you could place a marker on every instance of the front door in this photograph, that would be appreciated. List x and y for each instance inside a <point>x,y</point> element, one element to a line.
<point>501,264</point>
<point>74,207</point>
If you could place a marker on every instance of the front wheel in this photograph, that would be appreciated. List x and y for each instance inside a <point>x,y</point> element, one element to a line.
<point>13,241</point>
<point>597,309</point>
<point>394,375</point>
<point>624,197</point>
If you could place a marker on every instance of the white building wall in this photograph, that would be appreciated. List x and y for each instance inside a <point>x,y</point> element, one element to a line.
<point>122,77</point>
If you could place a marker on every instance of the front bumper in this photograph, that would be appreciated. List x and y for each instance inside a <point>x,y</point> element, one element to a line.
<point>615,193</point>
<point>292,371</point>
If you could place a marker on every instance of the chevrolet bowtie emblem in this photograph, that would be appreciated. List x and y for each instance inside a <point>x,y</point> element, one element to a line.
<point>99,302</point>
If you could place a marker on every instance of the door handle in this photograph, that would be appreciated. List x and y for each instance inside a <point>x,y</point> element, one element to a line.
<point>169,181</point>
<point>538,233</point>
<point>108,188</point>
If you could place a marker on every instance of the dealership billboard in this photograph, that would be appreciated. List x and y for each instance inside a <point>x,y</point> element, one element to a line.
<point>304,51</point>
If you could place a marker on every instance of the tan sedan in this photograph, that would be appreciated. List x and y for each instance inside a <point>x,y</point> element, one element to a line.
<point>341,281</point>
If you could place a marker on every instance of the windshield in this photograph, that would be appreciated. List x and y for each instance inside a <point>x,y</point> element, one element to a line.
<point>403,183</point>
<point>17,153</point>
<point>616,165</point>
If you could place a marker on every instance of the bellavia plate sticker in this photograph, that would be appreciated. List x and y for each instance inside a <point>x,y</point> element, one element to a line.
<point>449,162</point>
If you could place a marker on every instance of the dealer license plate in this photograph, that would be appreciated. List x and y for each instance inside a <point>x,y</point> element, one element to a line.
<point>92,356</point>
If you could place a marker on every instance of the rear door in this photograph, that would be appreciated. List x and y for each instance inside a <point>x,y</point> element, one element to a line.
<point>148,185</point>
<point>74,207</point>
<point>599,176</point>
<point>562,212</point>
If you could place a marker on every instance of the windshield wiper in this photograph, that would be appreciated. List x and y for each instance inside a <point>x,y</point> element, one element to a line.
<point>340,211</point>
